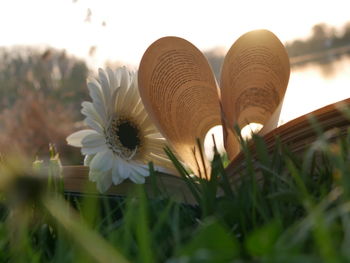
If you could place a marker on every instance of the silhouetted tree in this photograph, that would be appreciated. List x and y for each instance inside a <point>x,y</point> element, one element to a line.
<point>322,37</point>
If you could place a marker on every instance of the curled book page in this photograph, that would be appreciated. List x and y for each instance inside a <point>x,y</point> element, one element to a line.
<point>254,79</point>
<point>179,91</point>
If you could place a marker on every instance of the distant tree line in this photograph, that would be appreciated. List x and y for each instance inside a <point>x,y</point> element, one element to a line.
<point>40,96</point>
<point>323,37</point>
<point>50,72</point>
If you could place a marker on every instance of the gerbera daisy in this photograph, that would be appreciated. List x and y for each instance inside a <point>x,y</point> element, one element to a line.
<point>122,139</point>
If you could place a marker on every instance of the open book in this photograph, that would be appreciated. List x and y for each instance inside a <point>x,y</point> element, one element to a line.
<point>298,134</point>
<point>183,98</point>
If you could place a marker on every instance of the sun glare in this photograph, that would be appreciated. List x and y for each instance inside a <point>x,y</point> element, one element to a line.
<point>216,134</point>
<point>121,31</point>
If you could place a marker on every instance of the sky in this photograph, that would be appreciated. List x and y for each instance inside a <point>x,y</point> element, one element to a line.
<point>132,25</point>
<point>122,31</point>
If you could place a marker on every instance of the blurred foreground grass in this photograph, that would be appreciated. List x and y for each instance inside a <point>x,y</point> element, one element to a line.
<point>286,208</point>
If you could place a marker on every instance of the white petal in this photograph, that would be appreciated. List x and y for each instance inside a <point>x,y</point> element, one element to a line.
<point>125,77</point>
<point>89,110</point>
<point>88,159</point>
<point>159,153</point>
<point>155,139</point>
<point>97,99</point>
<point>102,161</point>
<point>120,99</point>
<point>160,158</point>
<point>107,91</point>
<point>156,150</point>
<point>116,178</point>
<point>118,76</point>
<point>139,109</point>
<point>147,124</point>
<point>163,169</point>
<point>75,138</point>
<point>156,135</point>
<point>104,181</point>
<point>93,175</point>
<point>123,169</point>
<point>121,103</point>
<point>105,85</point>
<point>141,170</point>
<point>154,146</point>
<point>93,124</point>
<point>94,150</point>
<point>111,106</point>
<point>112,79</point>
<point>132,96</point>
<point>137,178</point>
<point>93,140</point>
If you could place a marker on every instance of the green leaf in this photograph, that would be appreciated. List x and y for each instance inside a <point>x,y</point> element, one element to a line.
<point>211,243</point>
<point>261,242</point>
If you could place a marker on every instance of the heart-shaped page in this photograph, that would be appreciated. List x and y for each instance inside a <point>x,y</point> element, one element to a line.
<point>179,91</point>
<point>254,79</point>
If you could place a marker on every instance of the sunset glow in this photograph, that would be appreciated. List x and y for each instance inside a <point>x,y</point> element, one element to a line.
<point>122,30</point>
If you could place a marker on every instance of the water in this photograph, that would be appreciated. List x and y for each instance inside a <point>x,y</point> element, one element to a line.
<point>314,85</point>
<point>311,86</point>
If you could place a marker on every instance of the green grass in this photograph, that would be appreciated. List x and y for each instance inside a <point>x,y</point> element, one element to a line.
<point>286,208</point>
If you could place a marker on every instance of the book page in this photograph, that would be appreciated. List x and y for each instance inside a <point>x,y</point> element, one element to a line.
<point>179,92</point>
<point>254,79</point>
<point>298,134</point>
<point>76,180</point>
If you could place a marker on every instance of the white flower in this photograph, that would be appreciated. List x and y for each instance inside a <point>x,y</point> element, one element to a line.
<point>122,139</point>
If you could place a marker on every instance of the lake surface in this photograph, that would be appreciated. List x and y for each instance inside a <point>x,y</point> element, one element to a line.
<point>314,85</point>
<point>311,86</point>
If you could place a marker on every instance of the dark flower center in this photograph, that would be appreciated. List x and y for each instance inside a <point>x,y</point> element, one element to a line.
<point>128,135</point>
<point>124,137</point>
